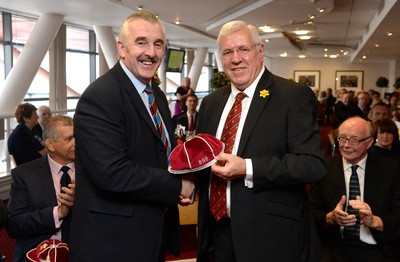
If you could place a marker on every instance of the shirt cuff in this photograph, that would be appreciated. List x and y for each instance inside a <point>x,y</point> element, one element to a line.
<point>57,222</point>
<point>248,181</point>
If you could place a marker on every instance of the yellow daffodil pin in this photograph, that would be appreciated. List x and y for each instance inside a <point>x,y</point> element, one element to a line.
<point>264,93</point>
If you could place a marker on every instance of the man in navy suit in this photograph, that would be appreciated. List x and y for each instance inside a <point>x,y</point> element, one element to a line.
<point>189,119</point>
<point>377,205</point>
<point>39,208</point>
<point>277,150</point>
<point>126,201</point>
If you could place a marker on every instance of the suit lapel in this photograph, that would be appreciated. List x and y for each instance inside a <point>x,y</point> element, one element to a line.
<point>137,101</point>
<point>256,108</point>
<point>371,180</point>
<point>46,179</point>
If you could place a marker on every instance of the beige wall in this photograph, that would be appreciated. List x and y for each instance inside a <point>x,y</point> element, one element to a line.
<point>285,67</point>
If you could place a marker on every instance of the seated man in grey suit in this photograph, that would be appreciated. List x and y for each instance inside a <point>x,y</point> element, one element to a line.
<point>357,204</point>
<point>42,195</point>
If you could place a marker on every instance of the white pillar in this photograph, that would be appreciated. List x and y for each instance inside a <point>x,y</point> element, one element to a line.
<point>218,60</point>
<point>197,66</point>
<point>103,67</point>
<point>22,74</point>
<point>106,38</point>
<point>57,72</point>
<point>189,59</point>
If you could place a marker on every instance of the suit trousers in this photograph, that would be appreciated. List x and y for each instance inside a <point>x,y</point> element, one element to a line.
<point>223,242</point>
<point>356,250</point>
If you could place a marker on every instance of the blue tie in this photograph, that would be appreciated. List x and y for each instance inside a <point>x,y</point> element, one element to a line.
<point>157,119</point>
<point>353,232</point>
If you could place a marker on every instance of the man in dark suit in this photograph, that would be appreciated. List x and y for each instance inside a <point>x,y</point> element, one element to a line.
<point>375,211</point>
<point>361,108</point>
<point>39,208</point>
<point>126,201</point>
<point>189,119</point>
<point>277,150</point>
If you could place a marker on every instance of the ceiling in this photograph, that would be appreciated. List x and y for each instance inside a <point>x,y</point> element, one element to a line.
<point>349,29</point>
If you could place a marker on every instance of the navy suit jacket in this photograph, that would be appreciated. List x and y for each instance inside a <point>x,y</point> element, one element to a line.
<point>32,199</point>
<point>123,188</point>
<point>271,221</point>
<point>381,193</point>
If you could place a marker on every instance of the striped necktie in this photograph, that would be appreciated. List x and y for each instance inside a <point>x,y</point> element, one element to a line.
<point>353,232</point>
<point>218,206</point>
<point>157,119</point>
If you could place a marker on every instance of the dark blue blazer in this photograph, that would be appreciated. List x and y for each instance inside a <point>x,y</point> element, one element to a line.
<point>32,199</point>
<point>125,200</point>
<point>381,193</point>
<point>271,221</point>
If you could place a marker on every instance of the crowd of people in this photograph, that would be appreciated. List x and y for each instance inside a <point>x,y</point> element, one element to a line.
<point>100,183</point>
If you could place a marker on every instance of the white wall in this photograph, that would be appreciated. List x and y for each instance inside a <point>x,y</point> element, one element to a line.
<point>285,67</point>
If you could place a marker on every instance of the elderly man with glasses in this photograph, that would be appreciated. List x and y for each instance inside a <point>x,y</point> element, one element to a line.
<point>357,204</point>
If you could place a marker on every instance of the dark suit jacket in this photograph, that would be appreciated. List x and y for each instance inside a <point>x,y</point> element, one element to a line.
<point>32,199</point>
<point>122,185</point>
<point>183,120</point>
<point>271,221</point>
<point>381,193</point>
<point>356,111</point>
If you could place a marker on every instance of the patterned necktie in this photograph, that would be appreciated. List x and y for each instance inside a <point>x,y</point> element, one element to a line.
<point>353,232</point>
<point>191,123</point>
<point>65,178</point>
<point>157,119</point>
<point>218,206</point>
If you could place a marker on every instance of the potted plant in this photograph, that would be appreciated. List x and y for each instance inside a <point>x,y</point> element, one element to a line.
<point>219,79</point>
<point>397,83</point>
<point>382,82</point>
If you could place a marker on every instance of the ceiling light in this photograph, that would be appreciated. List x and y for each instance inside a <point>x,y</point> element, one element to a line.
<point>177,22</point>
<point>140,8</point>
<point>266,40</point>
<point>364,57</point>
<point>305,37</point>
<point>377,45</point>
<point>302,56</point>
<point>321,10</point>
<point>311,16</point>
<point>389,33</point>
<point>345,52</point>
<point>326,49</point>
<point>283,54</point>
<point>301,32</point>
<point>333,56</point>
<point>266,29</point>
<point>326,55</point>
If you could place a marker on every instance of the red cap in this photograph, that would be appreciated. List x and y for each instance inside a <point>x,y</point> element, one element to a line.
<point>51,250</point>
<point>195,154</point>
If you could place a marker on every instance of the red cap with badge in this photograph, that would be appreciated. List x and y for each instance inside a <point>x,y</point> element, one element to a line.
<point>195,154</point>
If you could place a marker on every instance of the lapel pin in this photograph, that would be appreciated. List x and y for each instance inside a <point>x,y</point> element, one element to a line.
<point>264,93</point>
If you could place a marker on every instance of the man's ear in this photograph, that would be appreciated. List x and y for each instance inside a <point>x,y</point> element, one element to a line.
<point>49,144</point>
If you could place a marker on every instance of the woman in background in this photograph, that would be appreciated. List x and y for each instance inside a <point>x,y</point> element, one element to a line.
<point>387,139</point>
<point>21,144</point>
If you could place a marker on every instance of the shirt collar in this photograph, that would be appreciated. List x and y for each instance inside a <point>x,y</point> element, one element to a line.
<point>136,82</point>
<point>55,167</point>
<point>249,91</point>
<point>361,164</point>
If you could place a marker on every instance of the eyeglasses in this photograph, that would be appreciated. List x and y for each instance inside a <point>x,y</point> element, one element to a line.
<point>242,51</point>
<point>354,141</point>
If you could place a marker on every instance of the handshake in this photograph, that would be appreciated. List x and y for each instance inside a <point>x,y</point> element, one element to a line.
<point>190,157</point>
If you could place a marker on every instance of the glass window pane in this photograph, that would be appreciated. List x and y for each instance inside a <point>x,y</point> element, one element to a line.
<point>77,39</point>
<point>78,73</point>
<point>22,29</point>
<point>2,74</point>
<point>40,85</point>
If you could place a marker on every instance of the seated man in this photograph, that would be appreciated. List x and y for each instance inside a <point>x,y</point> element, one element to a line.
<point>41,196</point>
<point>357,204</point>
<point>188,119</point>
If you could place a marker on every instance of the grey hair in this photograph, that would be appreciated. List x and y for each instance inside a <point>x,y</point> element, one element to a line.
<point>234,26</point>
<point>50,128</point>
